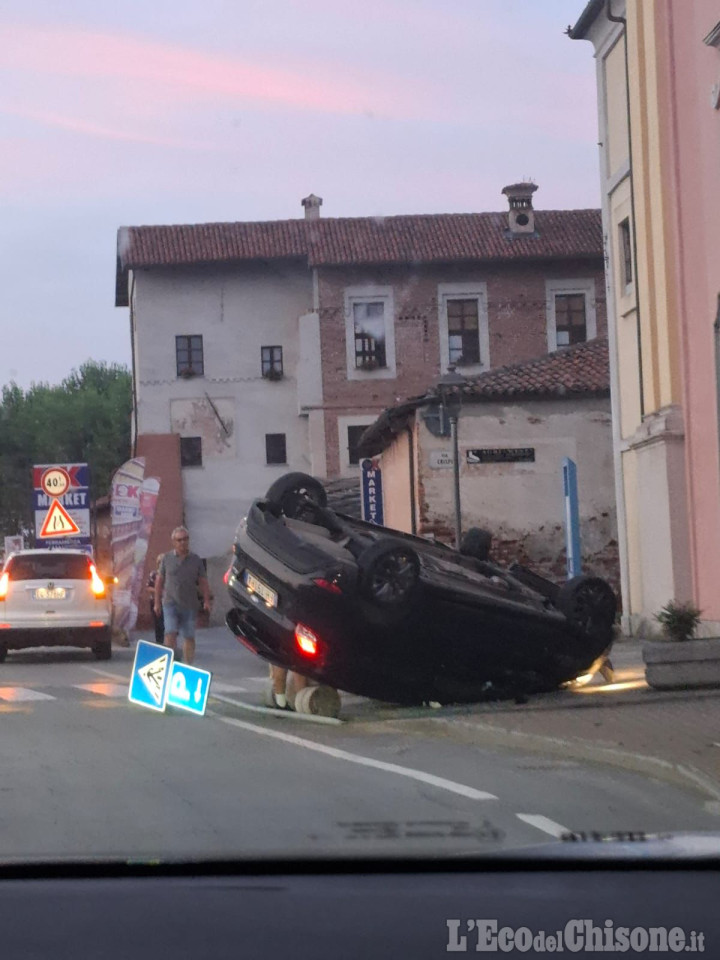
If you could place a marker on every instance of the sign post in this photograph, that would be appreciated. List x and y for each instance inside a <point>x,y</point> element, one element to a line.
<point>572,519</point>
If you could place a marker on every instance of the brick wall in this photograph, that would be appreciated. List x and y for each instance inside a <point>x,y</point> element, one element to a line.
<point>517,321</point>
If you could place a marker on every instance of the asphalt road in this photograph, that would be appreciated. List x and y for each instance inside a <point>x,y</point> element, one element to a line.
<point>86,773</point>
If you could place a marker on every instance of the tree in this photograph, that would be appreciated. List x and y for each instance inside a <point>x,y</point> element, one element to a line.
<point>86,419</point>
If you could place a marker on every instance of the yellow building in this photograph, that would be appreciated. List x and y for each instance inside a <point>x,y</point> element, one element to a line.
<point>657,61</point>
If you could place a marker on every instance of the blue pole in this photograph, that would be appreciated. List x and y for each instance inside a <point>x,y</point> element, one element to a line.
<point>572,519</point>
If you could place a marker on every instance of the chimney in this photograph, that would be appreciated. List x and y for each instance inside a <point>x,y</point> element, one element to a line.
<point>312,206</point>
<point>521,216</point>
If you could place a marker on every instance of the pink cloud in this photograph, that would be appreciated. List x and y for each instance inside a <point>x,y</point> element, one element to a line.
<point>76,125</point>
<point>194,74</point>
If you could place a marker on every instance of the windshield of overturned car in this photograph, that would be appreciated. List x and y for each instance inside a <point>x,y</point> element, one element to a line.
<point>359,458</point>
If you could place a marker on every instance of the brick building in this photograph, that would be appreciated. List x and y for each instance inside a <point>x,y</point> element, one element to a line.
<point>267,347</point>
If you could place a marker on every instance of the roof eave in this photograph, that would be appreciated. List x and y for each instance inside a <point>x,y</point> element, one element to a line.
<point>586,20</point>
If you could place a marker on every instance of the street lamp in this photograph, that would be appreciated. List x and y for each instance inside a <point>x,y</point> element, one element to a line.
<point>448,389</point>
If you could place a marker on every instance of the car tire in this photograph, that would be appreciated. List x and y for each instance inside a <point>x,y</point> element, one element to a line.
<point>389,575</point>
<point>476,543</point>
<point>290,495</point>
<point>590,603</point>
<point>103,650</point>
<point>3,652</point>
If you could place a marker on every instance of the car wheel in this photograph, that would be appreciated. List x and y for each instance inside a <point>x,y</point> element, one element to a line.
<point>3,653</point>
<point>389,573</point>
<point>295,494</point>
<point>476,543</point>
<point>590,603</point>
<point>103,650</point>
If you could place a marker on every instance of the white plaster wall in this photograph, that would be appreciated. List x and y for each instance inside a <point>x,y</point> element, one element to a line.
<point>237,310</point>
<point>524,501</point>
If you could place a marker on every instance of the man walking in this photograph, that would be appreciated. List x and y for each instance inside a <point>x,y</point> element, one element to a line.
<point>181,576</point>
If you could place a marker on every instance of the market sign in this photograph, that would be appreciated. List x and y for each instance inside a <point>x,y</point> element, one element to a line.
<point>501,455</point>
<point>372,495</point>
<point>61,505</point>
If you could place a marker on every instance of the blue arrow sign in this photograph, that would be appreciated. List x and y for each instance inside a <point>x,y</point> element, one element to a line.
<point>189,688</point>
<point>150,677</point>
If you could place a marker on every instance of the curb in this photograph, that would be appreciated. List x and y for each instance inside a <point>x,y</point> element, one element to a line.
<point>682,775</point>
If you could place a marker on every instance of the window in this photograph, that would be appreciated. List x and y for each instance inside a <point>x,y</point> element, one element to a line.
<point>49,566</point>
<point>369,328</point>
<point>369,332</point>
<point>271,362</point>
<point>463,325</point>
<point>626,252</point>
<point>190,451</point>
<point>353,439</point>
<point>275,448</point>
<point>570,320</point>
<point>571,313</point>
<point>189,356</point>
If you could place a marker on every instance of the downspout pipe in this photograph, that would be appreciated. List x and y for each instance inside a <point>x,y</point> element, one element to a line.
<point>411,465</point>
<point>132,357</point>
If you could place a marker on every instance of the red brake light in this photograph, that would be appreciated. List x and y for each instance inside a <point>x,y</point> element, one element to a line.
<point>226,575</point>
<point>4,584</point>
<point>306,640</point>
<point>96,585</point>
<point>327,585</point>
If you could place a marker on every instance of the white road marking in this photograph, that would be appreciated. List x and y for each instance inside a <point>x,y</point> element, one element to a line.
<point>107,673</point>
<point>16,694</point>
<point>105,689</point>
<point>543,823</point>
<point>271,711</point>
<point>428,778</point>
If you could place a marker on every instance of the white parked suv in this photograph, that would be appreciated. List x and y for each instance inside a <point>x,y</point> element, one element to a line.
<point>53,598</point>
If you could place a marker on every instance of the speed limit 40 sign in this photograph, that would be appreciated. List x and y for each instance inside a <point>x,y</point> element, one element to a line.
<point>55,482</point>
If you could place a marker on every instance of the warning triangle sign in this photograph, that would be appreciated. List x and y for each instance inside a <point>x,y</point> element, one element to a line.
<point>58,522</point>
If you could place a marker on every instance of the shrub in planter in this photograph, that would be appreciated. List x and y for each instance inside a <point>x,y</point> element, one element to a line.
<point>679,620</point>
<point>678,661</point>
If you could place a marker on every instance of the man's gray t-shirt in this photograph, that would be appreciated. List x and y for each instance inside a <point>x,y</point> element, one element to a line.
<point>180,579</point>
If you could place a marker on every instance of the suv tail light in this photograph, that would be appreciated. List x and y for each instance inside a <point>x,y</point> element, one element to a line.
<point>306,640</point>
<point>4,584</point>
<point>328,585</point>
<point>96,584</point>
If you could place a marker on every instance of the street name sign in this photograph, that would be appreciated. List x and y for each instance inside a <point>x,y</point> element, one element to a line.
<point>189,688</point>
<point>150,676</point>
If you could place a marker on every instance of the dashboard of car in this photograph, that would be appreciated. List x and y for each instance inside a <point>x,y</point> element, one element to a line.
<point>357,909</point>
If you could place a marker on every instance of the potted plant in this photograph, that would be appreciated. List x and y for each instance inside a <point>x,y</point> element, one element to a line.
<point>677,660</point>
<point>369,364</point>
<point>679,620</point>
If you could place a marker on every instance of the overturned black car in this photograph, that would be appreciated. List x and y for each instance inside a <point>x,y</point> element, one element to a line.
<point>397,618</point>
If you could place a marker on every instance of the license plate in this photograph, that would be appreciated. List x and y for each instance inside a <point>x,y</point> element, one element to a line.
<point>57,593</point>
<point>261,589</point>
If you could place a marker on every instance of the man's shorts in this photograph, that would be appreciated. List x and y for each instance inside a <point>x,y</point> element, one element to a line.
<point>179,620</point>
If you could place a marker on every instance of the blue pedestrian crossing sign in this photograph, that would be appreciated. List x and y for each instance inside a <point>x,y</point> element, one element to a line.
<point>151,674</point>
<point>189,688</point>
